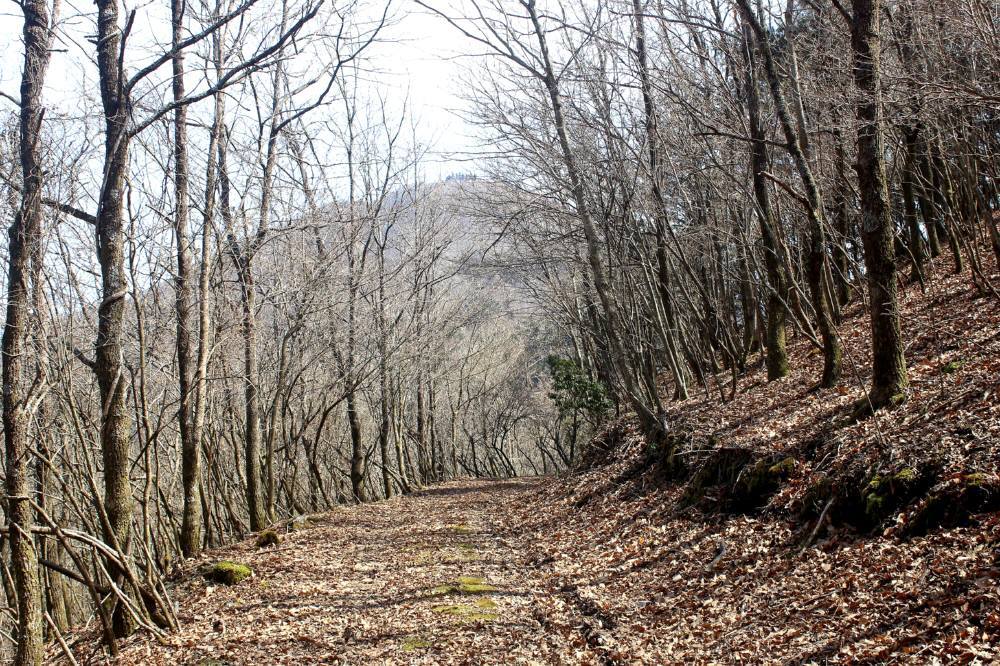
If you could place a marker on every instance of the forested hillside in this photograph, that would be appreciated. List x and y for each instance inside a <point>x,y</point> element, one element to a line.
<point>781,531</point>
<point>720,276</point>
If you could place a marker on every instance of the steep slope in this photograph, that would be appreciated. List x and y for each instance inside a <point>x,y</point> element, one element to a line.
<point>785,531</point>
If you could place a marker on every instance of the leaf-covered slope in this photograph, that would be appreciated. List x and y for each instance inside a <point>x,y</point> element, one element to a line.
<point>874,540</point>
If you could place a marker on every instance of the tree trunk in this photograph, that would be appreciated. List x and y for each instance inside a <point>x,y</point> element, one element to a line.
<point>18,391</point>
<point>204,287</point>
<point>109,366</point>
<point>915,241</point>
<point>888,363</point>
<point>252,443</point>
<point>662,265</point>
<point>184,295</point>
<point>816,259</point>
<point>357,448</point>
<point>777,355</point>
<point>647,417</point>
<point>841,265</point>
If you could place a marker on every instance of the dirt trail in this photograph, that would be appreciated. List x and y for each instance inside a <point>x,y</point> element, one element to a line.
<point>442,576</point>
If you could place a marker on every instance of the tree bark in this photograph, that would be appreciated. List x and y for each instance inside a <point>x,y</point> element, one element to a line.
<point>23,271</point>
<point>915,241</point>
<point>653,159</point>
<point>109,365</point>
<point>777,355</point>
<point>647,417</point>
<point>816,260</point>
<point>190,540</point>
<point>251,399</point>
<point>841,265</point>
<point>888,363</point>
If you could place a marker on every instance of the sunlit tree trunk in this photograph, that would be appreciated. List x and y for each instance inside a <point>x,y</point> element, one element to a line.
<point>888,363</point>
<point>648,418</point>
<point>19,389</point>
<point>116,427</point>
<point>816,255</point>
<point>777,355</point>
<point>190,540</point>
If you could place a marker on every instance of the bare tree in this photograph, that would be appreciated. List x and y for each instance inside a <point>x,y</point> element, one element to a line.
<point>22,392</point>
<point>888,362</point>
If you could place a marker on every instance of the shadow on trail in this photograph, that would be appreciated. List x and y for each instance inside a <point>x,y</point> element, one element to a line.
<point>446,491</point>
<point>455,490</point>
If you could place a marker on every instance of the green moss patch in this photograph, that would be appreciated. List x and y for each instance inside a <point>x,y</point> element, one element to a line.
<point>268,538</point>
<point>225,572</point>
<point>466,612</point>
<point>884,494</point>
<point>471,585</point>
<point>414,643</point>
<point>466,552</point>
<point>951,367</point>
<point>783,467</point>
<point>976,480</point>
<point>464,585</point>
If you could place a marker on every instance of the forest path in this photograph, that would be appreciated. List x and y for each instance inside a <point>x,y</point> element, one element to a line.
<point>441,576</point>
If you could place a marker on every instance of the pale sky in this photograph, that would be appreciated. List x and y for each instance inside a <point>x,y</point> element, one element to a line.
<point>417,55</point>
<point>427,58</point>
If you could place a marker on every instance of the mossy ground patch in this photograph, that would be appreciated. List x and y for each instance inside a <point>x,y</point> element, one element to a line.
<point>414,643</point>
<point>226,572</point>
<point>481,611</point>
<point>464,585</point>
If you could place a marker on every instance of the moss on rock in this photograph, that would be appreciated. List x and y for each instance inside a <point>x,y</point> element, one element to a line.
<point>268,538</point>
<point>975,480</point>
<point>783,468</point>
<point>226,572</point>
<point>884,494</point>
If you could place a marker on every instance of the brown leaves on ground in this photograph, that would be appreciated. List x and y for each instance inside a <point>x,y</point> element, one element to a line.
<point>617,581</point>
<point>442,576</point>
<point>686,585</point>
<point>686,589</point>
<point>608,567</point>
